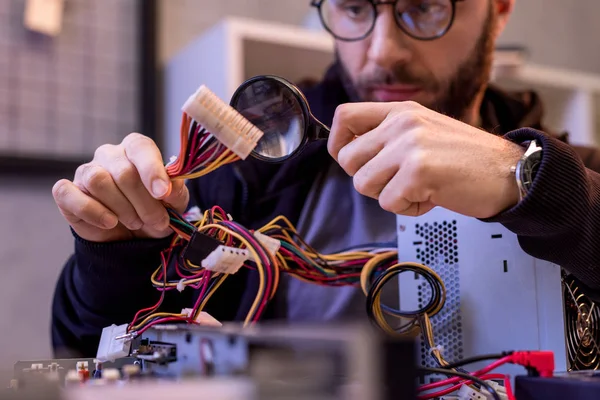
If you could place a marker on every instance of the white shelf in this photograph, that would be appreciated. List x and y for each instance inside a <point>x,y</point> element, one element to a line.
<point>236,49</point>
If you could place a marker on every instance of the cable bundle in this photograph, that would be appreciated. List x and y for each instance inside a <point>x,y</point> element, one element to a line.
<point>208,248</point>
<point>201,152</point>
<point>277,247</point>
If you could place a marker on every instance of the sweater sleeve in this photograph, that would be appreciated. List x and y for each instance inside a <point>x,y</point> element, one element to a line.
<point>559,220</point>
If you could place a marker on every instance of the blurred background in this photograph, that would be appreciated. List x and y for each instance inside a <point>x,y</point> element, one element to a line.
<point>78,73</point>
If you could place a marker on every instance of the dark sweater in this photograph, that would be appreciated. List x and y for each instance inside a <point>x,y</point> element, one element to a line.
<point>106,283</point>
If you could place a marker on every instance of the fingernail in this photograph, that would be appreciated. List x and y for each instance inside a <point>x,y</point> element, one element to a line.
<point>159,188</point>
<point>137,224</point>
<point>109,221</point>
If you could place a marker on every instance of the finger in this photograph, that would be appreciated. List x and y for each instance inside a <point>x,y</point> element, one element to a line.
<point>402,197</point>
<point>371,178</point>
<point>143,153</point>
<point>179,197</point>
<point>97,181</point>
<point>354,119</point>
<point>358,152</point>
<point>128,180</point>
<point>79,209</point>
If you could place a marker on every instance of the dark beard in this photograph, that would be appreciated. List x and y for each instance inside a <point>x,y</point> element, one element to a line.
<point>472,76</point>
<point>460,91</point>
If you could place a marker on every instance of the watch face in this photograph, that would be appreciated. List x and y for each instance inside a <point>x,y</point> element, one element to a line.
<point>530,169</point>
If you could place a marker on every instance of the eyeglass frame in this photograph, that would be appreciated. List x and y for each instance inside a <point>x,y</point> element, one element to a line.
<point>319,3</point>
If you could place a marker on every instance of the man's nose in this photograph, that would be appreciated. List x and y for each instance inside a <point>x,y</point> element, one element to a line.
<point>388,46</point>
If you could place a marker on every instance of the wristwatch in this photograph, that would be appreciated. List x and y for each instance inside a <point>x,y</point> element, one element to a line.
<point>527,167</point>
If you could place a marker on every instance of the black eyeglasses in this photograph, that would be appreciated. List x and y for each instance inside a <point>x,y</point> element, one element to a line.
<point>352,20</point>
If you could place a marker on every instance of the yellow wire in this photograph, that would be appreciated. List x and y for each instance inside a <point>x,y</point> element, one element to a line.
<point>261,272</point>
<point>210,293</point>
<point>155,315</point>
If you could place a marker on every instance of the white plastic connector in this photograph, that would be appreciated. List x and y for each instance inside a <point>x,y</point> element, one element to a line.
<point>229,126</point>
<point>111,374</point>
<point>82,366</point>
<point>72,377</point>
<point>467,393</point>
<point>501,390</point>
<point>181,285</point>
<point>111,348</point>
<point>271,244</point>
<point>226,260</point>
<point>193,214</point>
<point>203,318</point>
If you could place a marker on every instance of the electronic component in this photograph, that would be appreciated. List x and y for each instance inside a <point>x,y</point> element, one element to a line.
<point>302,361</point>
<point>199,247</point>
<point>223,121</point>
<point>225,259</point>
<point>498,298</point>
<point>27,373</point>
<point>203,318</point>
<point>156,352</point>
<point>111,347</point>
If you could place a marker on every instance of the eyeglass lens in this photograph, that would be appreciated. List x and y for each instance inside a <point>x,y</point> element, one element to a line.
<point>354,19</point>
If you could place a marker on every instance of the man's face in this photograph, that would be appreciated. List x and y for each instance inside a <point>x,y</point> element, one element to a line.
<point>444,74</point>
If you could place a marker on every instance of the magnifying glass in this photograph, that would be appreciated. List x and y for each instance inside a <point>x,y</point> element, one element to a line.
<point>280,110</point>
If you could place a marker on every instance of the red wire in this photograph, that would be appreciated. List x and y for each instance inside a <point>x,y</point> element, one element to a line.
<point>449,381</point>
<point>451,389</point>
<point>162,320</point>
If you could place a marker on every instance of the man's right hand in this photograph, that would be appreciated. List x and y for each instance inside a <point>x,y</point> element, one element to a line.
<point>119,195</point>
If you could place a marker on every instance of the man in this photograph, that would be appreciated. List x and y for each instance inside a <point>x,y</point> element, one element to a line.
<point>420,66</point>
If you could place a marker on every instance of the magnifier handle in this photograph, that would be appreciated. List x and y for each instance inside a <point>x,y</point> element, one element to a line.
<point>320,131</point>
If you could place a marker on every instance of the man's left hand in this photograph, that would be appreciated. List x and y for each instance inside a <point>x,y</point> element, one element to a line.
<point>412,159</point>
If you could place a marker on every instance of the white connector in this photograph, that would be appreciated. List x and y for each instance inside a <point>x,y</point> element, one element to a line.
<point>226,260</point>
<point>111,348</point>
<point>467,393</point>
<point>223,121</point>
<point>272,245</point>
<point>193,214</point>
<point>501,390</point>
<point>203,318</point>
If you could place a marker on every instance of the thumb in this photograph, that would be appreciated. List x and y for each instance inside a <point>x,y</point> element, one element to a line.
<point>355,119</point>
<point>179,196</point>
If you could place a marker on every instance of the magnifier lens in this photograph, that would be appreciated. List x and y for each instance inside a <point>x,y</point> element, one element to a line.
<point>275,109</point>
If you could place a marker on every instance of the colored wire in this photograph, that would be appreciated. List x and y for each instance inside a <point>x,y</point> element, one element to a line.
<point>200,152</point>
<point>467,377</point>
<point>484,357</point>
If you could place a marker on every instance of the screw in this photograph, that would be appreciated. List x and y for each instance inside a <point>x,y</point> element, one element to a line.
<point>401,228</point>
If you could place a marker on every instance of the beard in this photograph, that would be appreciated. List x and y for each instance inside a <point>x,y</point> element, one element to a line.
<point>456,95</point>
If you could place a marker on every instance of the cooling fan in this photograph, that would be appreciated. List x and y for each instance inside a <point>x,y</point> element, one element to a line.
<point>582,320</point>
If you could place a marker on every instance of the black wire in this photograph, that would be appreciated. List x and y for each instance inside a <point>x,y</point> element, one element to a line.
<point>481,382</point>
<point>483,357</point>
<point>379,283</point>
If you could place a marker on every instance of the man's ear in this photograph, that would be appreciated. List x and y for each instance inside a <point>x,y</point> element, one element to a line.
<point>503,10</point>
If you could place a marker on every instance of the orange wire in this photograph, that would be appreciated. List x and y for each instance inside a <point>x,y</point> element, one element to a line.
<point>176,168</point>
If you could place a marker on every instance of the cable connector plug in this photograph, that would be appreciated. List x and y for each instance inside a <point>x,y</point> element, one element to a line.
<point>226,260</point>
<point>223,121</point>
<point>203,318</point>
<point>115,343</point>
<point>468,393</point>
<point>272,245</point>
<point>500,390</point>
<point>538,363</point>
<point>199,247</point>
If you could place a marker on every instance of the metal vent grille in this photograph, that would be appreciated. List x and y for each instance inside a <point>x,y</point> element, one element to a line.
<point>438,249</point>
